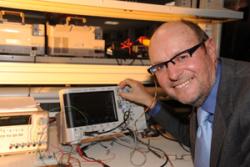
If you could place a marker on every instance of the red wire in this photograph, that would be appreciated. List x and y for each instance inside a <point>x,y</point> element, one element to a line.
<point>78,149</point>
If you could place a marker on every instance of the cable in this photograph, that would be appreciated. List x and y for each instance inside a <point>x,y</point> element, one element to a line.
<point>132,62</point>
<point>69,158</point>
<point>155,97</point>
<point>168,138</point>
<point>80,112</point>
<point>134,150</point>
<point>84,156</point>
<point>150,148</point>
<point>173,139</point>
<point>163,135</point>
<point>125,118</point>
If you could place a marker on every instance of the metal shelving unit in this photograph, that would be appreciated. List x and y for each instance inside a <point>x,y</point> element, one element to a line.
<point>46,70</point>
<point>121,9</point>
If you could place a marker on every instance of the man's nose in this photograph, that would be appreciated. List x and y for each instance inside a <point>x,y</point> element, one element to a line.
<point>173,71</point>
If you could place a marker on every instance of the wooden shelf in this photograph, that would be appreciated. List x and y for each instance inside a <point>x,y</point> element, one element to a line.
<point>74,60</point>
<point>121,9</point>
<point>58,74</point>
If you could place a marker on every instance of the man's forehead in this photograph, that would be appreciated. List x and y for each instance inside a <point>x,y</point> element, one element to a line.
<point>171,39</point>
<point>174,29</point>
<point>169,34</point>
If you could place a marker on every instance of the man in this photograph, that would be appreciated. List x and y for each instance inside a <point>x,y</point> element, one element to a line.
<point>186,66</point>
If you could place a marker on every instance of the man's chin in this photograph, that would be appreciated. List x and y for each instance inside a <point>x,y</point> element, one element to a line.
<point>188,100</point>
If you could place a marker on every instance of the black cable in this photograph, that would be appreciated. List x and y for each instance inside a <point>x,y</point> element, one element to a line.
<point>183,147</point>
<point>155,153</point>
<point>84,148</point>
<point>164,136</point>
<point>141,62</point>
<point>125,118</point>
<point>172,139</point>
<point>117,61</point>
<point>132,62</point>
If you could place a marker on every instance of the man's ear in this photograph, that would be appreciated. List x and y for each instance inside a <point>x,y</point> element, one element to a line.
<point>211,48</point>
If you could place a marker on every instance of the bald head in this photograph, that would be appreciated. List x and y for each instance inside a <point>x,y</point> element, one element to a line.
<point>174,27</point>
<point>169,28</point>
<point>174,34</point>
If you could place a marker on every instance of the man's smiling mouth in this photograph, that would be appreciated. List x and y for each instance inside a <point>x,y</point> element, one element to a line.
<point>184,84</point>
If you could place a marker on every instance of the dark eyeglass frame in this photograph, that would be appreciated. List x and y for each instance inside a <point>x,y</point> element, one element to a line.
<point>190,51</point>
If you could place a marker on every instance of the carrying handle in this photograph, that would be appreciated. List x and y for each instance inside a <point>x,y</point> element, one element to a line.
<point>69,18</point>
<point>7,12</point>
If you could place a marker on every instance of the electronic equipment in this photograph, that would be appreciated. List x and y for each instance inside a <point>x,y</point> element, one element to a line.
<point>22,128</point>
<point>72,40</point>
<point>96,111</point>
<point>47,97</point>
<point>20,39</point>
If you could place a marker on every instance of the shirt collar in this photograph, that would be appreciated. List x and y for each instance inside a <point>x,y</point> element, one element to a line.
<point>209,104</point>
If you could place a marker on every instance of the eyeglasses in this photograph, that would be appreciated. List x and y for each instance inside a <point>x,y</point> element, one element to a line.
<point>180,58</point>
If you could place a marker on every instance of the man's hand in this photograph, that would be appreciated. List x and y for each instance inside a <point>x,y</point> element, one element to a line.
<point>137,93</point>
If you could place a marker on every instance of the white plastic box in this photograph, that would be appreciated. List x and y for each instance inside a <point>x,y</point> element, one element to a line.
<point>71,40</point>
<point>23,39</point>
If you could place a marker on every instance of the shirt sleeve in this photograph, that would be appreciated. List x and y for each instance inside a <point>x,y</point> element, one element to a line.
<point>154,111</point>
